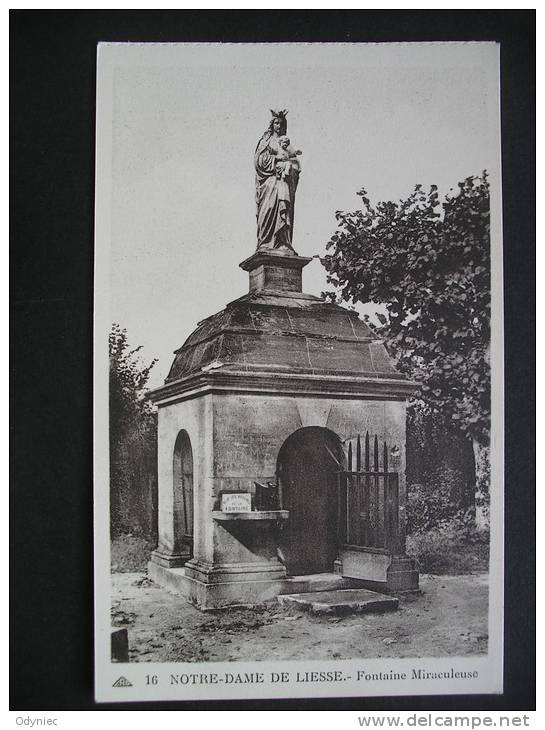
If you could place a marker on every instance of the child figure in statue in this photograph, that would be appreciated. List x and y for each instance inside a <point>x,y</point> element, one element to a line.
<point>286,162</point>
<point>287,156</point>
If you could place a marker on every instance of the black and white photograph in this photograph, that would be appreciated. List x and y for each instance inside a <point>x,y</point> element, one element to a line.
<point>298,403</point>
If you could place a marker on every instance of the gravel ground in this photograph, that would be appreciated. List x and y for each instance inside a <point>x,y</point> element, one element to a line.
<point>449,618</point>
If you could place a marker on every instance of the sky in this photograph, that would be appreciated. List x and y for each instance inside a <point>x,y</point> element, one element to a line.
<point>177,125</point>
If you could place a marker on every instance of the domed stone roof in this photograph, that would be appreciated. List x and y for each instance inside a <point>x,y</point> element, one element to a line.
<point>283,332</point>
<point>279,340</point>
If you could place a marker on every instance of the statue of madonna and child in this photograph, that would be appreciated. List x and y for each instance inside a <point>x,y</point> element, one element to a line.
<point>276,176</point>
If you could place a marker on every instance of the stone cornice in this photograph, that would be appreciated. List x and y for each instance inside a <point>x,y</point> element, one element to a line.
<point>286,384</point>
<point>268,255</point>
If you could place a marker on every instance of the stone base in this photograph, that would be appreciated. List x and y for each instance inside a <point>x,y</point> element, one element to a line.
<point>248,584</point>
<point>170,560</point>
<point>317,583</point>
<point>341,602</point>
<point>234,572</point>
<point>397,574</point>
<point>275,269</point>
<point>221,587</point>
<point>403,575</point>
<point>236,588</point>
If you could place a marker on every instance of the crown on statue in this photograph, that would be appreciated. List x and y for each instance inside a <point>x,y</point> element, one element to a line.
<point>280,114</point>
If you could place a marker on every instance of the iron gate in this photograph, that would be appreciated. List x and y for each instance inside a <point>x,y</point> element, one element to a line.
<point>368,500</point>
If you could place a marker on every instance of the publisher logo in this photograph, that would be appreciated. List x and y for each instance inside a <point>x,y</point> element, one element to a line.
<point>122,682</point>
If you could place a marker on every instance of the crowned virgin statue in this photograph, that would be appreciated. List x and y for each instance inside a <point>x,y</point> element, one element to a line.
<point>276,176</point>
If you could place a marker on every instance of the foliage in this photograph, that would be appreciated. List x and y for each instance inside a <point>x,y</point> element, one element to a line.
<point>482,493</point>
<point>440,469</point>
<point>130,553</point>
<point>454,546</point>
<point>128,378</point>
<point>133,435</point>
<point>428,265</point>
<point>429,505</point>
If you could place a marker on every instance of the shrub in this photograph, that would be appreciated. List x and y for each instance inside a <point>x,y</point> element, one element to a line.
<point>133,441</point>
<point>428,505</point>
<point>454,546</point>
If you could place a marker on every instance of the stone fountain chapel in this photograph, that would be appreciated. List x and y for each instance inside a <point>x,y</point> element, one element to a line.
<point>281,436</point>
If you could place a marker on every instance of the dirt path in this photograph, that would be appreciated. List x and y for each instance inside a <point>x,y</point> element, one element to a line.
<point>448,618</point>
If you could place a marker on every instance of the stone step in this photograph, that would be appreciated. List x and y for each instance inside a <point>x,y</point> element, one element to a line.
<point>355,600</point>
<point>316,582</point>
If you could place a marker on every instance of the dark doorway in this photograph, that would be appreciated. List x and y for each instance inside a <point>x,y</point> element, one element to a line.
<point>307,468</point>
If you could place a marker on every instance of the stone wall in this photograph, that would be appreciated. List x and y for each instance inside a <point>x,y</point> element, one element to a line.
<point>249,431</point>
<point>236,440</point>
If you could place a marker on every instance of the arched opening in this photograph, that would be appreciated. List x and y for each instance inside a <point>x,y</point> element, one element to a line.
<point>182,473</point>
<point>307,471</point>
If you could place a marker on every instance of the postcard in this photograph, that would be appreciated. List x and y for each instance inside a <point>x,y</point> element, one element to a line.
<point>298,410</point>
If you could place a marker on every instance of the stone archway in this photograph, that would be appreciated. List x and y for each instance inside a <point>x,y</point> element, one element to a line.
<point>307,467</point>
<point>182,478</point>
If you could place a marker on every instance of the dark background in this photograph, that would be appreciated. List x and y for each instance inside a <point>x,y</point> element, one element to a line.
<point>52,117</point>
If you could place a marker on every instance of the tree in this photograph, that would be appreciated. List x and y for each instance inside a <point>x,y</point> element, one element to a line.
<point>428,264</point>
<point>133,436</point>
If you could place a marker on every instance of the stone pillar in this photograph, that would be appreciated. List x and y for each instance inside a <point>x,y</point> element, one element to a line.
<point>170,553</point>
<point>195,417</point>
<point>235,559</point>
<point>402,573</point>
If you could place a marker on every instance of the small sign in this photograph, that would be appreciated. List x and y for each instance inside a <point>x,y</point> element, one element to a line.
<point>240,502</point>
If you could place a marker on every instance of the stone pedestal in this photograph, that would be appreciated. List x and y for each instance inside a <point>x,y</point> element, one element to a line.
<point>225,582</point>
<point>272,270</point>
<point>245,568</point>
<point>213,587</point>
